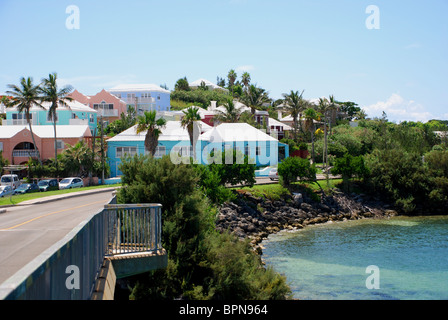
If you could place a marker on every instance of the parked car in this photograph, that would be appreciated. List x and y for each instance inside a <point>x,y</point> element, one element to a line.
<point>48,184</point>
<point>273,174</point>
<point>70,183</point>
<point>5,191</point>
<point>10,180</point>
<point>26,188</point>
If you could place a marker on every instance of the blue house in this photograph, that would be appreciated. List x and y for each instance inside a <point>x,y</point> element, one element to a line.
<point>262,149</point>
<point>75,113</point>
<point>144,97</point>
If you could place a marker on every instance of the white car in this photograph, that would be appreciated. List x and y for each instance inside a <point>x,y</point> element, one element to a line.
<point>273,174</point>
<point>70,183</point>
<point>5,191</point>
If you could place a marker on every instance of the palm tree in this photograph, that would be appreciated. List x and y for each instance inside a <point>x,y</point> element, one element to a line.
<point>231,76</point>
<point>310,115</point>
<point>78,158</point>
<point>333,107</point>
<point>231,113</point>
<point>324,107</point>
<point>57,97</point>
<point>294,105</point>
<point>245,79</point>
<point>24,98</point>
<point>255,98</point>
<point>190,122</point>
<point>152,126</point>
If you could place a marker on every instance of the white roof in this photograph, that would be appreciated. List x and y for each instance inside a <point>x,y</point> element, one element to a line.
<point>172,131</point>
<point>202,112</point>
<point>47,131</point>
<point>198,82</point>
<point>137,88</point>
<point>72,105</point>
<point>274,122</point>
<point>235,132</point>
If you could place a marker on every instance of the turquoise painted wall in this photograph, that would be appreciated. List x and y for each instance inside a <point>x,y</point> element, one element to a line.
<point>268,151</point>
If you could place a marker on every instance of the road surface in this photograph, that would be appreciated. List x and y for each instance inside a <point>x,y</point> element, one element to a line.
<point>27,231</point>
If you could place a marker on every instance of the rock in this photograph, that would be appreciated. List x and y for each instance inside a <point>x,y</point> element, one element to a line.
<point>297,199</point>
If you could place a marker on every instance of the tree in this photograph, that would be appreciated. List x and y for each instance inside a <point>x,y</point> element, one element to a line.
<point>294,106</point>
<point>310,116</point>
<point>323,108</point>
<point>152,126</point>
<point>333,107</point>
<point>245,79</point>
<point>191,121</point>
<point>231,77</point>
<point>56,97</point>
<point>255,97</point>
<point>182,84</point>
<point>77,159</point>
<point>294,167</point>
<point>24,98</point>
<point>231,113</point>
<point>349,166</point>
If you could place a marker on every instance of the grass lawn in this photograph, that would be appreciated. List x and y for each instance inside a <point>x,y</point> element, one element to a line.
<point>276,191</point>
<point>29,196</point>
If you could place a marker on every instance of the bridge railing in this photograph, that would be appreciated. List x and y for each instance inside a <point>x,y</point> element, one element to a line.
<point>69,269</point>
<point>133,228</point>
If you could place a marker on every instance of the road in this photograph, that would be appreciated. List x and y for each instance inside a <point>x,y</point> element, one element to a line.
<point>26,231</point>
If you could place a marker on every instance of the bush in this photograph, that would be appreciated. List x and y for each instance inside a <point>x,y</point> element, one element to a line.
<point>202,263</point>
<point>294,167</point>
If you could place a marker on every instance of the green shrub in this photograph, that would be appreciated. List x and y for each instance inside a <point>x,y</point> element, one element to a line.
<point>294,167</point>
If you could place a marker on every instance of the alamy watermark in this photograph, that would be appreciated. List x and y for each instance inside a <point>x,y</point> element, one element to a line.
<point>73,280</point>
<point>373,280</point>
<point>73,20</point>
<point>373,20</point>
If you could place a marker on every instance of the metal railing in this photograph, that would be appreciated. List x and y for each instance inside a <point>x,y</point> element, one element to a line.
<point>117,229</point>
<point>25,153</point>
<point>133,228</point>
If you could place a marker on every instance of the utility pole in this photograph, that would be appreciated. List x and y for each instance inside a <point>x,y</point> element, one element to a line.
<point>102,151</point>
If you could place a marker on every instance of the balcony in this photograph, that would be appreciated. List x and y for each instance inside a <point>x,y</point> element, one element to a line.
<point>107,112</point>
<point>75,122</point>
<point>26,153</point>
<point>18,122</point>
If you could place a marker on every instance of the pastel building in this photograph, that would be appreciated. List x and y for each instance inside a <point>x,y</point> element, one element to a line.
<point>107,105</point>
<point>75,113</point>
<point>143,97</point>
<point>16,142</point>
<point>173,136</point>
<point>262,149</point>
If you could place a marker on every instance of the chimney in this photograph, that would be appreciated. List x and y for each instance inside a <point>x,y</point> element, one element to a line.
<point>212,105</point>
<point>279,112</point>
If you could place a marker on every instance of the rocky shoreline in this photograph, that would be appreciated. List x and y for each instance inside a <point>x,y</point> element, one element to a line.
<point>255,218</point>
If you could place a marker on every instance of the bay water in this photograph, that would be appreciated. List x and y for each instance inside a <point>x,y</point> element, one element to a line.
<point>404,258</point>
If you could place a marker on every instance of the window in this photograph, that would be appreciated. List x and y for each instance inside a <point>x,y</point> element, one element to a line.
<point>183,151</point>
<point>59,144</point>
<point>91,118</point>
<point>121,151</point>
<point>160,152</point>
<point>103,106</point>
<point>248,151</point>
<point>158,97</point>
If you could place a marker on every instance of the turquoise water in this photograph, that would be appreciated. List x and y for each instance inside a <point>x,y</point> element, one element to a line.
<point>329,261</point>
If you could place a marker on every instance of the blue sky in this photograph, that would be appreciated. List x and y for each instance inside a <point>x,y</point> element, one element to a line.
<point>320,46</point>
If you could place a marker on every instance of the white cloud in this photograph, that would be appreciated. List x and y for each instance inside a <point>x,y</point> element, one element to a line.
<point>398,109</point>
<point>245,68</point>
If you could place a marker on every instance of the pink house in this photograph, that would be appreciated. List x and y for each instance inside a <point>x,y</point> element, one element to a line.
<point>106,104</point>
<point>17,145</point>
